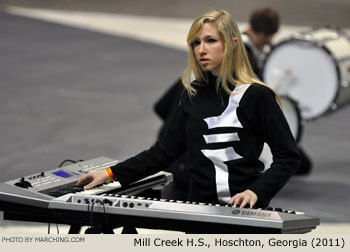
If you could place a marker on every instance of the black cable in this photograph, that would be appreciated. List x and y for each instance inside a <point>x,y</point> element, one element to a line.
<point>88,208</point>
<point>65,161</point>
<point>71,161</point>
<point>48,228</point>
<point>105,214</point>
<point>91,215</point>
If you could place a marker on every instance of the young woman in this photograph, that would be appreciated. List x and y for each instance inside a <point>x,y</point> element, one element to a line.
<point>222,121</point>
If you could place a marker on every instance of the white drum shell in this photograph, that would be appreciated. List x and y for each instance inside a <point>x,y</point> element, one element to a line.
<point>313,68</point>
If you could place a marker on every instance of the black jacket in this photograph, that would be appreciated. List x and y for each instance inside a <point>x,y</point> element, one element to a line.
<point>224,136</point>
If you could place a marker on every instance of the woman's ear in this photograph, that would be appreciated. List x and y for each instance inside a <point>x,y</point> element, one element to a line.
<point>235,43</point>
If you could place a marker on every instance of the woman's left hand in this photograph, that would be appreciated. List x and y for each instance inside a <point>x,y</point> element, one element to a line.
<point>244,198</point>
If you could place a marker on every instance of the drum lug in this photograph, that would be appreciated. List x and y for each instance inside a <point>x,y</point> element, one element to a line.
<point>345,84</point>
<point>333,106</point>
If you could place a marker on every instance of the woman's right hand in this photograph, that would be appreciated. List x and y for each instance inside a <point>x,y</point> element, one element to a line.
<point>98,177</point>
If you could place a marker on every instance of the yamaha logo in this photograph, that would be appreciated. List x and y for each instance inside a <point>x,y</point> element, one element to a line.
<point>236,212</point>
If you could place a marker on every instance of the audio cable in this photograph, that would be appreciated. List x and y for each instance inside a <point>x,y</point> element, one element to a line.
<point>71,161</point>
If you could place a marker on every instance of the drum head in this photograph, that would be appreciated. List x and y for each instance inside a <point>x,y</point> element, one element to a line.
<point>305,72</point>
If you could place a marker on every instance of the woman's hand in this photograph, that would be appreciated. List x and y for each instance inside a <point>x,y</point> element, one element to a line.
<point>244,198</point>
<point>98,177</point>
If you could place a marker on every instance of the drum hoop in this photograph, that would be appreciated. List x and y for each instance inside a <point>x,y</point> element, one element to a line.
<point>299,118</point>
<point>331,27</point>
<point>335,61</point>
<point>346,58</point>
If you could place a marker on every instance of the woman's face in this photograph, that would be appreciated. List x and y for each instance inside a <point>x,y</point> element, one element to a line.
<point>209,48</point>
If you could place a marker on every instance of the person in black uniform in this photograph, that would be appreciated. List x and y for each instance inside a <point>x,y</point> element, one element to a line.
<point>221,123</point>
<point>263,25</point>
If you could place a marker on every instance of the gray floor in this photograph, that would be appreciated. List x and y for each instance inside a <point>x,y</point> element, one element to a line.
<point>70,93</point>
<point>297,12</point>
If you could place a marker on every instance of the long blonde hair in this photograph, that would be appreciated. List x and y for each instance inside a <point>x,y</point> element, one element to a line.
<point>235,66</point>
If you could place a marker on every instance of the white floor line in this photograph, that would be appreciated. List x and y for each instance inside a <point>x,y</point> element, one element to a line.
<point>169,32</point>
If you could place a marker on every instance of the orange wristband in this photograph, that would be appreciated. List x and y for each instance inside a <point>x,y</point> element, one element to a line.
<point>110,174</point>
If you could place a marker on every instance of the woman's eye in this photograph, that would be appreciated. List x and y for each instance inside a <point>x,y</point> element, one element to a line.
<point>195,43</point>
<point>211,41</point>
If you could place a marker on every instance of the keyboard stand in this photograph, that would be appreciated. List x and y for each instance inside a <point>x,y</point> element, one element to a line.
<point>75,229</point>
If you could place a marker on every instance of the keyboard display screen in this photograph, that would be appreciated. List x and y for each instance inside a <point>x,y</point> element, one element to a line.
<point>62,174</point>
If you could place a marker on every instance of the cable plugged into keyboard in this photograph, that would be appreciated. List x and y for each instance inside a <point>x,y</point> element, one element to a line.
<point>107,201</point>
<point>93,200</point>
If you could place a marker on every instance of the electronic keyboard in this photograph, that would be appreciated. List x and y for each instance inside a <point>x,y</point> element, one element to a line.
<point>179,215</point>
<point>38,189</point>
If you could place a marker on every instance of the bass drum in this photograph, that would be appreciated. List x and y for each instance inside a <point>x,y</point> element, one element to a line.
<point>313,68</point>
<point>292,113</point>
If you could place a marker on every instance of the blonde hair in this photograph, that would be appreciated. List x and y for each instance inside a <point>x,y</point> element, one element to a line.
<point>235,66</point>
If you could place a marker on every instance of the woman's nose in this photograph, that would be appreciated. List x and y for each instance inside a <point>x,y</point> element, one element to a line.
<point>202,49</point>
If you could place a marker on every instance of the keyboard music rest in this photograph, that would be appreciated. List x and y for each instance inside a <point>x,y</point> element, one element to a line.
<point>184,216</point>
<point>155,182</point>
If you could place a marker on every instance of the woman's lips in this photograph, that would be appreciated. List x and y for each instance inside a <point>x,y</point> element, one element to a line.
<point>204,61</point>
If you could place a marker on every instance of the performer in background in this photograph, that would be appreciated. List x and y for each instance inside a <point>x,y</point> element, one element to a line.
<point>263,25</point>
<point>222,121</point>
